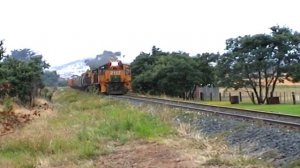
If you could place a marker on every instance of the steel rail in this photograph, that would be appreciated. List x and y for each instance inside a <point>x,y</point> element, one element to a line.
<point>267,117</point>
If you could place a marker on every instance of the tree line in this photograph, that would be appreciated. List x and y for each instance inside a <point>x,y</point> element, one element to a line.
<point>174,74</point>
<point>256,63</point>
<point>22,74</point>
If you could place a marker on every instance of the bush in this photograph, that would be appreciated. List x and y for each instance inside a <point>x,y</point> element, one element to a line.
<point>8,104</point>
<point>23,71</point>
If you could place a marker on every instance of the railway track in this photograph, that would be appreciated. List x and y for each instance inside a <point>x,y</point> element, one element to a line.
<point>254,115</point>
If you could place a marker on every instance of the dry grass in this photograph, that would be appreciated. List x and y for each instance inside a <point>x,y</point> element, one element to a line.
<point>210,152</point>
<point>83,128</point>
<point>205,151</point>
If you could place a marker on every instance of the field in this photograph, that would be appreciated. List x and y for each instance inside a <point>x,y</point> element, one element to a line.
<point>284,92</point>
<point>277,108</point>
<point>86,130</point>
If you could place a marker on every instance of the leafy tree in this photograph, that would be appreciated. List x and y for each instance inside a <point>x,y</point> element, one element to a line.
<point>4,84</point>
<point>37,66</point>
<point>50,78</point>
<point>286,48</point>
<point>24,75</point>
<point>258,62</point>
<point>294,73</point>
<point>141,67</point>
<point>206,65</point>
<point>22,54</point>
<point>2,50</point>
<point>174,74</point>
<point>62,82</point>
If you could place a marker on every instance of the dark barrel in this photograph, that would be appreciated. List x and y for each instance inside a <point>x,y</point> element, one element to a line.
<point>234,99</point>
<point>273,100</point>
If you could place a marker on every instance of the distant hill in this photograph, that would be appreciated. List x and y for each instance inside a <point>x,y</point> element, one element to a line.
<point>72,68</point>
<point>76,67</point>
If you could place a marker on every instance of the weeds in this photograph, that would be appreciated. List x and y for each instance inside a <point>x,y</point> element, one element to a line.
<point>294,164</point>
<point>82,129</point>
<point>217,161</point>
<point>8,104</point>
<point>86,126</point>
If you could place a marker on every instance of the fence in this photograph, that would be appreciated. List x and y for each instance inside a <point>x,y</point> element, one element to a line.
<point>216,94</point>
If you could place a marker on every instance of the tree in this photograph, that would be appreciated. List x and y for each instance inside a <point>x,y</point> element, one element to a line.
<point>23,74</point>
<point>286,51</point>
<point>258,62</point>
<point>141,68</point>
<point>4,84</point>
<point>205,64</point>
<point>22,54</point>
<point>62,82</point>
<point>294,73</point>
<point>174,74</point>
<point>37,66</point>
<point>50,78</point>
<point>177,75</point>
<point>2,50</point>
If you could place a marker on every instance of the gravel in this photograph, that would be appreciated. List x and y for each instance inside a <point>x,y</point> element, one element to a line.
<point>277,145</point>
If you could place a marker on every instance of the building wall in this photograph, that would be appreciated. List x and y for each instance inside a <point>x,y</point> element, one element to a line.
<point>206,91</point>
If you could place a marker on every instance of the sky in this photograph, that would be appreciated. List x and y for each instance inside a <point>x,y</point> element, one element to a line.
<point>67,30</point>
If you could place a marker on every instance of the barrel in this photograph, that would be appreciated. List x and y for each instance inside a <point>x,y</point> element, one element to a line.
<point>273,100</point>
<point>234,99</point>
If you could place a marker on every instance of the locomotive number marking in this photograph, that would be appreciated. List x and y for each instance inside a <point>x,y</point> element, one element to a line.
<point>115,72</point>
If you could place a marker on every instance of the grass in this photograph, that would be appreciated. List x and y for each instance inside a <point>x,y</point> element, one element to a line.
<point>213,152</point>
<point>277,108</point>
<point>219,161</point>
<point>294,164</point>
<point>83,127</point>
<point>287,108</point>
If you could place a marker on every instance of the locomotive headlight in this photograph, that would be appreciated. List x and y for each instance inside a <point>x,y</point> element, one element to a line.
<point>114,64</point>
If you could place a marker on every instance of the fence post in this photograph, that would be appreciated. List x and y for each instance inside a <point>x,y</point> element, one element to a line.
<point>210,96</point>
<point>240,96</point>
<point>293,96</point>
<point>220,96</point>
<point>252,96</point>
<point>284,97</point>
<point>280,96</point>
<point>229,96</point>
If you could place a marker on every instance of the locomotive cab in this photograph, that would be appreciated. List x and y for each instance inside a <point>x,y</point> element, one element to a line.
<point>115,78</point>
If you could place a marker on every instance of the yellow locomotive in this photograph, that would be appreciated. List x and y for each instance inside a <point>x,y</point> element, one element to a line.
<point>111,78</point>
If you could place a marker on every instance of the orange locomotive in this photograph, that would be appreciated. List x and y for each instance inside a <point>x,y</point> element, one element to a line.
<point>111,78</point>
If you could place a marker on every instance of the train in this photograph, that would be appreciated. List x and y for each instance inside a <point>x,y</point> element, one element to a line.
<point>113,78</point>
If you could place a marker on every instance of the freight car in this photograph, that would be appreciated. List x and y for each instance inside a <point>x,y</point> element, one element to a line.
<point>111,78</point>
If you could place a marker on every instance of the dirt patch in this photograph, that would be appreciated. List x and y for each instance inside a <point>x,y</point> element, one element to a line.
<point>144,154</point>
<point>19,115</point>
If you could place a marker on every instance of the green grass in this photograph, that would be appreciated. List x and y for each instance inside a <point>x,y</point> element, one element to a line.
<point>84,127</point>
<point>294,164</point>
<point>277,108</point>
<point>283,92</point>
<point>287,108</point>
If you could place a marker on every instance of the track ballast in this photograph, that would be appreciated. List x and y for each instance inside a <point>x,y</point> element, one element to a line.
<point>254,115</point>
